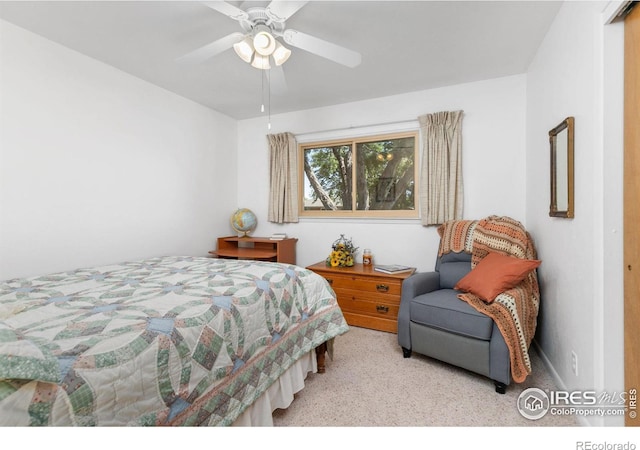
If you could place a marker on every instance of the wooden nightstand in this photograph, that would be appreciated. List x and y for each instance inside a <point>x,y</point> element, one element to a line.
<point>368,298</point>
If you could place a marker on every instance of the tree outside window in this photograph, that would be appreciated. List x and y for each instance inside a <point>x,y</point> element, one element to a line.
<point>365,177</point>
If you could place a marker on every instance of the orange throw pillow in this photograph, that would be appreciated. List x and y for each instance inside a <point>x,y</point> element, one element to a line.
<point>494,274</point>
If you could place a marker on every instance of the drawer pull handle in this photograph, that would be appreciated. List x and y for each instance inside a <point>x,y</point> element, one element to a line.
<point>382,287</point>
<point>382,309</point>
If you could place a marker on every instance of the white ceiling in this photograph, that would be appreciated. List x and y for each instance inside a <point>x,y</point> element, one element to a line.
<point>405,45</point>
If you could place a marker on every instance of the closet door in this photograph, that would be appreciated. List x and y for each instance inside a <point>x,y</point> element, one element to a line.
<point>632,209</point>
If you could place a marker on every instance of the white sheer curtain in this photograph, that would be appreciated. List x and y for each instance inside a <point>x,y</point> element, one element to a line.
<point>441,173</point>
<point>283,178</point>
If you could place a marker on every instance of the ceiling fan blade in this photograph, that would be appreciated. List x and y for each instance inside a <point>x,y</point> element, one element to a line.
<point>277,80</point>
<point>210,50</point>
<point>322,48</point>
<point>227,9</point>
<point>280,11</point>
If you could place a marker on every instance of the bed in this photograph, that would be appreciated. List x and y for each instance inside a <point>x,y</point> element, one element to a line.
<point>164,341</point>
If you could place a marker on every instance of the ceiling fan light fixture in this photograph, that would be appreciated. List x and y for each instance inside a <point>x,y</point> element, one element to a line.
<point>244,49</point>
<point>261,62</point>
<point>264,43</point>
<point>280,54</point>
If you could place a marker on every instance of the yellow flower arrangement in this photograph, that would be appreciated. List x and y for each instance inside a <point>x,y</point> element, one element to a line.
<point>342,253</point>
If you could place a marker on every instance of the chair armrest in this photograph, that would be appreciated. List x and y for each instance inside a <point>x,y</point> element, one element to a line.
<point>417,284</point>
<point>420,283</point>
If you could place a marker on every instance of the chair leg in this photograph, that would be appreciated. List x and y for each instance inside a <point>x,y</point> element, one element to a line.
<point>501,388</point>
<point>406,352</point>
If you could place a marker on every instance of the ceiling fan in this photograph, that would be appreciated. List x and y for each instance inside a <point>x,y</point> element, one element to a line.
<point>257,44</point>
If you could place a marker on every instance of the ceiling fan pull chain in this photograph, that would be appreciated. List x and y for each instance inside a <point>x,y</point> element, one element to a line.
<point>262,90</point>
<point>269,99</point>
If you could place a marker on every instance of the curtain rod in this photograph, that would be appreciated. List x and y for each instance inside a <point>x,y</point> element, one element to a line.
<point>334,130</point>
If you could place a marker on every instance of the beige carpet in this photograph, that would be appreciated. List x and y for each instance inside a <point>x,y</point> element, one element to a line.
<point>369,383</point>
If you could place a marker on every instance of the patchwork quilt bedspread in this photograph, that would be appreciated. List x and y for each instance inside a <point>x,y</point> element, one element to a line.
<point>162,341</point>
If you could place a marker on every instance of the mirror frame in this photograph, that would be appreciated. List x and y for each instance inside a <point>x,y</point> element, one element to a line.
<point>567,197</point>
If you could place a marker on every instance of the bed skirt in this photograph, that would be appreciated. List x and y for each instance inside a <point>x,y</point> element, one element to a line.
<point>279,395</point>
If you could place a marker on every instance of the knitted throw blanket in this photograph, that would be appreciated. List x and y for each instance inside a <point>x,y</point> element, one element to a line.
<point>515,311</point>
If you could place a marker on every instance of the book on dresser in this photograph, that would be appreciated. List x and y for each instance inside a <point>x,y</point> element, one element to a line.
<point>391,268</point>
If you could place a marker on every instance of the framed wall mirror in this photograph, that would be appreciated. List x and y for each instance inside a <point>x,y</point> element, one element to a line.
<point>561,141</point>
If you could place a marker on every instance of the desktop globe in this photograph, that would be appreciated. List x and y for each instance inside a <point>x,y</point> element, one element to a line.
<point>244,221</point>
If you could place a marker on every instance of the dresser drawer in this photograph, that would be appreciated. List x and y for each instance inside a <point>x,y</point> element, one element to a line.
<point>364,296</point>
<point>373,285</point>
<point>371,307</point>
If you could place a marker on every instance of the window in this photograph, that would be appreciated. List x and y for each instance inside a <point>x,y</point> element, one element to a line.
<point>364,177</point>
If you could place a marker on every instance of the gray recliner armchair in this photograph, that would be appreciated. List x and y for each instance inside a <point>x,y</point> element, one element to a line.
<point>433,321</point>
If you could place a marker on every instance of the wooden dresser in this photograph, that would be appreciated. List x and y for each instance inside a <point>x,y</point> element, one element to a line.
<point>368,298</point>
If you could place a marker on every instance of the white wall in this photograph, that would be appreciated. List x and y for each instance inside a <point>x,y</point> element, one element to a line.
<point>97,166</point>
<point>578,72</point>
<point>493,165</point>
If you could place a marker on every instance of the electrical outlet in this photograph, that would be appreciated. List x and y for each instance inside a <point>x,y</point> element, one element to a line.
<point>574,363</point>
